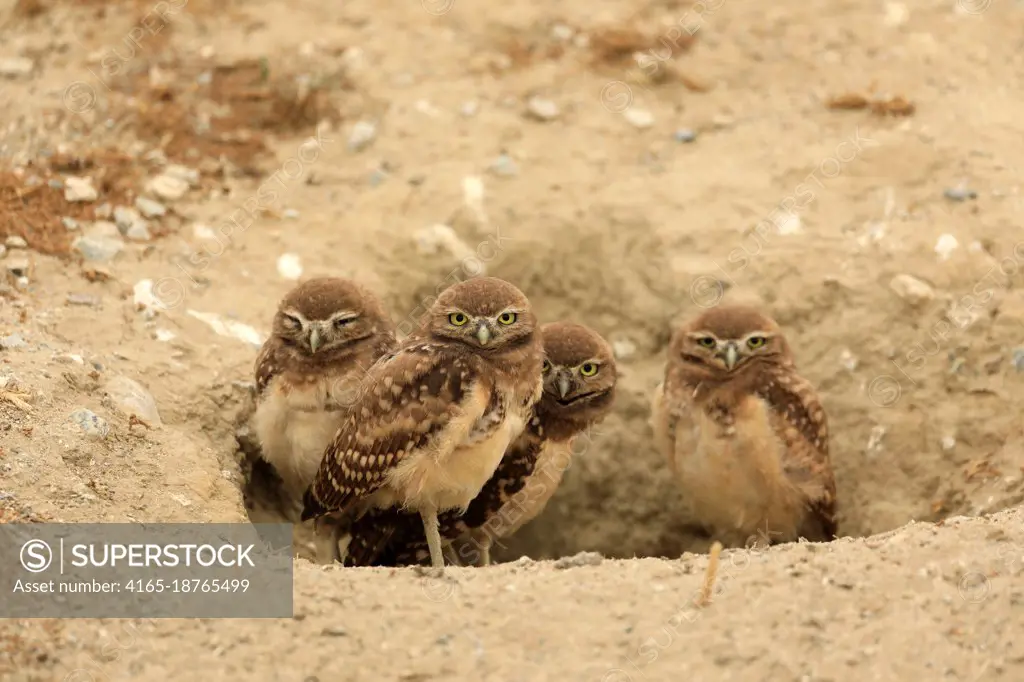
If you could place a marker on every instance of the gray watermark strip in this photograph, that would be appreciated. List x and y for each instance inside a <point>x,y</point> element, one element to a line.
<point>163,570</point>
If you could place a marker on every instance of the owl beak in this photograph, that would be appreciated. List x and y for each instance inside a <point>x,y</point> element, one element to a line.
<point>483,334</point>
<point>731,356</point>
<point>564,386</point>
<point>314,339</point>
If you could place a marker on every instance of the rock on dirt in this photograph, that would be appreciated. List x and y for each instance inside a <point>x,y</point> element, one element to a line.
<point>167,187</point>
<point>132,399</point>
<point>79,189</point>
<point>911,289</point>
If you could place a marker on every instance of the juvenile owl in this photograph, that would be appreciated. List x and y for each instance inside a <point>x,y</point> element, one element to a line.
<point>744,434</point>
<point>442,410</point>
<point>326,334</point>
<point>579,387</point>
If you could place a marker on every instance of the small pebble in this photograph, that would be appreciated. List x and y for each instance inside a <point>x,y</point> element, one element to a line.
<point>139,232</point>
<point>439,237</point>
<point>362,135</point>
<point>848,360</point>
<point>126,219</point>
<point>685,135</point>
<point>504,166</point>
<point>16,67</point>
<point>79,189</point>
<point>562,33</point>
<point>231,328</point>
<point>789,223</point>
<point>3,250</point>
<point>623,349</point>
<point>98,248</point>
<point>911,289</point>
<point>145,300</point>
<point>12,342</point>
<point>69,358</point>
<point>150,208</point>
<point>334,631</point>
<point>189,175</point>
<point>167,187</point>
<point>131,398</point>
<point>202,231</point>
<point>289,266</point>
<point>577,560</point>
<point>90,423</point>
<point>70,224</point>
<point>945,246</point>
<point>16,242</point>
<point>83,299</point>
<point>638,118</point>
<point>103,228</point>
<point>1018,359</point>
<point>104,212</point>
<point>21,283</point>
<point>290,214</point>
<point>948,443</point>
<point>960,194</point>
<point>469,109</point>
<point>542,109</point>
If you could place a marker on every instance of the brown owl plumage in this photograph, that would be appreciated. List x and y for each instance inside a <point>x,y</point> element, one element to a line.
<point>744,434</point>
<point>440,411</point>
<point>579,389</point>
<point>326,334</point>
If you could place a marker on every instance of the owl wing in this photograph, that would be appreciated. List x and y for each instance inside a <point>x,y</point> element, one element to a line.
<point>268,365</point>
<point>672,422</point>
<point>799,421</point>
<point>412,400</point>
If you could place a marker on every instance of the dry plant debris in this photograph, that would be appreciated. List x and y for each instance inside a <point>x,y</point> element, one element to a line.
<point>881,106</point>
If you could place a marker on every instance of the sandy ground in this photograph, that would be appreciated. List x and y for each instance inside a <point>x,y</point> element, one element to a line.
<point>744,183</point>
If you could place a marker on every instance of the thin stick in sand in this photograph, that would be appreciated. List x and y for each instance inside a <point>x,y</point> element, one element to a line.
<point>710,574</point>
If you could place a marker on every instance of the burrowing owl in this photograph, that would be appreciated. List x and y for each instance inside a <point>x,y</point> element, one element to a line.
<point>326,334</point>
<point>442,410</point>
<point>579,388</point>
<point>745,435</point>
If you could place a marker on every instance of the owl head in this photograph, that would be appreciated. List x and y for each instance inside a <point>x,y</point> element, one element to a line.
<point>724,341</point>
<point>487,314</point>
<point>328,316</point>
<point>579,374</point>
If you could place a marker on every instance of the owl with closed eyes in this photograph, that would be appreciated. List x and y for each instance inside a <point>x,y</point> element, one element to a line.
<point>745,436</point>
<point>327,333</point>
<point>440,412</point>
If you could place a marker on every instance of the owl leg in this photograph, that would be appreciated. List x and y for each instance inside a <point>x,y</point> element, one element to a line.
<point>451,555</point>
<point>485,554</point>
<point>430,529</point>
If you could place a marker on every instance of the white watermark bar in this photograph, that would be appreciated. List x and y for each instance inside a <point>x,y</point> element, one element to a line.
<point>160,570</point>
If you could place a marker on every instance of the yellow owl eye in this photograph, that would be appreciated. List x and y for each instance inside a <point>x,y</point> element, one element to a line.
<point>507,318</point>
<point>756,341</point>
<point>588,369</point>
<point>706,342</point>
<point>458,319</point>
<point>546,367</point>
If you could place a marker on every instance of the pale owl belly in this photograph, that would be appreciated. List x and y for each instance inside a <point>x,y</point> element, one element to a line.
<point>734,482</point>
<point>453,480</point>
<point>294,430</point>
